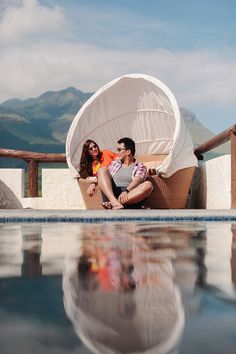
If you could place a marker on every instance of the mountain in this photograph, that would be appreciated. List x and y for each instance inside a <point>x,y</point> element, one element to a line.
<point>41,124</point>
<point>201,134</point>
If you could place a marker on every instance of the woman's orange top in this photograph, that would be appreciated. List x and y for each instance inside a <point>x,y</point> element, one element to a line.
<point>107,157</point>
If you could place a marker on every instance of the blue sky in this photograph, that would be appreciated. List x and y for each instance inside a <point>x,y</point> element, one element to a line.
<point>189,45</point>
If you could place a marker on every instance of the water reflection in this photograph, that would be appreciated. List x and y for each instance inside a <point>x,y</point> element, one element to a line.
<point>127,288</point>
<point>125,293</point>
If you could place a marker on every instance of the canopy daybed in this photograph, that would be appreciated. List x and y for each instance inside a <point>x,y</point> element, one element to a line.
<point>144,109</point>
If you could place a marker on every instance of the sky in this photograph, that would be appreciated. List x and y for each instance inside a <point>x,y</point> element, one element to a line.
<point>189,45</point>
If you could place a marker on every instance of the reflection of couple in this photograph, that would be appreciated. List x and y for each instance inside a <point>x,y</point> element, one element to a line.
<point>120,176</point>
<point>121,300</point>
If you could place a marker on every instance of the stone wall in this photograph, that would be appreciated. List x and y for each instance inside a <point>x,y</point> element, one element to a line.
<point>59,189</point>
<point>211,187</point>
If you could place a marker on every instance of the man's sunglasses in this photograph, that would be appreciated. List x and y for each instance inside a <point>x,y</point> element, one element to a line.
<point>120,149</point>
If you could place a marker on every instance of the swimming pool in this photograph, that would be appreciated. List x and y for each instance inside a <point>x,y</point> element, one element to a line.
<point>118,288</point>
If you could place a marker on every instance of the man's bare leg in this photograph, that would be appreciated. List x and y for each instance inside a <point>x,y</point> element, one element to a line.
<point>139,193</point>
<point>105,184</point>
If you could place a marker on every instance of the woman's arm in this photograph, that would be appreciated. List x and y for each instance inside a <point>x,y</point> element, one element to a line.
<point>91,191</point>
<point>92,179</point>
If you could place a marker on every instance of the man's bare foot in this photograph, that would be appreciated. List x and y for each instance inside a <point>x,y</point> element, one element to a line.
<point>117,207</point>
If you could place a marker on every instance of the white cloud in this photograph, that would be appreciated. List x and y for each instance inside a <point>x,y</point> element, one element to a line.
<point>28,19</point>
<point>194,77</point>
<point>202,76</point>
<point>35,57</point>
<point>6,3</point>
<point>30,68</point>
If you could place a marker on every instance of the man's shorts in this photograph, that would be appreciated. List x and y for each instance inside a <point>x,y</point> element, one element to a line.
<point>117,191</point>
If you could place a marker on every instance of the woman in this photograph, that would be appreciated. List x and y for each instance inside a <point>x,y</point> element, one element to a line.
<point>90,162</point>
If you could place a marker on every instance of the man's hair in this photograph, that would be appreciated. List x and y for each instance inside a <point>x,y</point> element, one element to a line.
<point>129,144</point>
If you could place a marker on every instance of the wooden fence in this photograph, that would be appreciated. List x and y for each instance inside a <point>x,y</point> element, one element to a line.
<point>33,159</point>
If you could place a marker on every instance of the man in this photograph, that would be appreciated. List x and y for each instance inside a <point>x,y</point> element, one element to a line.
<point>123,183</point>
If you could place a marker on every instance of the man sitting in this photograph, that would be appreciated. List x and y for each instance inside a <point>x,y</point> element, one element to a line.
<point>123,183</point>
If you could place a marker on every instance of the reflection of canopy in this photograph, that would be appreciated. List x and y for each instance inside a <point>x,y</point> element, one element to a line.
<point>140,107</point>
<point>153,325</point>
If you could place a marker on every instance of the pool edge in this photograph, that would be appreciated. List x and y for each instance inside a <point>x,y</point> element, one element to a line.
<point>95,216</point>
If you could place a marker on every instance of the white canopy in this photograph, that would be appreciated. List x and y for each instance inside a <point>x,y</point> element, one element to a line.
<point>137,106</point>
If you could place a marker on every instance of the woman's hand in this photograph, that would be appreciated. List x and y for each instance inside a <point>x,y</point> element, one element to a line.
<point>92,179</point>
<point>91,191</point>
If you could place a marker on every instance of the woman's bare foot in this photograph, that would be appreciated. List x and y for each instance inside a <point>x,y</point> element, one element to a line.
<point>106,205</point>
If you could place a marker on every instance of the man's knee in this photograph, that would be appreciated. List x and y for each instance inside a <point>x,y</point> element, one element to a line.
<point>147,187</point>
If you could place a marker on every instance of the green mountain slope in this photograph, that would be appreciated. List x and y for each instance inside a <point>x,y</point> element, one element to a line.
<point>41,124</point>
<point>34,120</point>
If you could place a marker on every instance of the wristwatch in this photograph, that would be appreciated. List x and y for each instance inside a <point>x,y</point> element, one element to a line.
<point>126,190</point>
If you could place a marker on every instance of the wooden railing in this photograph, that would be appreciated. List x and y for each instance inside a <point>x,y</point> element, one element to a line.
<point>34,158</point>
<point>216,141</point>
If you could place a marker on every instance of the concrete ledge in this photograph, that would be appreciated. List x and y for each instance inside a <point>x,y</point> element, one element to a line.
<point>102,216</point>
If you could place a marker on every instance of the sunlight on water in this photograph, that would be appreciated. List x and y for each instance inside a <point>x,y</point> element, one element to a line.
<point>118,288</point>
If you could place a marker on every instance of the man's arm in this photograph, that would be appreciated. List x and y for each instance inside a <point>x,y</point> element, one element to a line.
<point>123,197</point>
<point>141,171</point>
<point>135,183</point>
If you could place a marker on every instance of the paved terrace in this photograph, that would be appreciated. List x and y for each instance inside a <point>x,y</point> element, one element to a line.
<point>102,216</point>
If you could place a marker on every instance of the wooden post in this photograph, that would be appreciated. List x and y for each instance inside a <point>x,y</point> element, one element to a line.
<point>32,178</point>
<point>233,255</point>
<point>233,170</point>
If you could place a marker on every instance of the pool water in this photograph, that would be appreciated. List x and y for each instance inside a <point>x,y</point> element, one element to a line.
<point>118,288</point>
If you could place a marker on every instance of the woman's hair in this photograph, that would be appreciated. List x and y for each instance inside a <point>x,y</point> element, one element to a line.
<point>86,159</point>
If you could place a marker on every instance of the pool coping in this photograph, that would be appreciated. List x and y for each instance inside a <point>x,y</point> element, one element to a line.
<point>98,216</point>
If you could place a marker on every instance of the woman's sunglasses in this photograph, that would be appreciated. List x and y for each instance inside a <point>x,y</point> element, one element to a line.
<point>93,147</point>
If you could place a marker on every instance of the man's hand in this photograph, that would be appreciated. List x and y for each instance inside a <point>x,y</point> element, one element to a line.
<point>123,197</point>
<point>91,191</point>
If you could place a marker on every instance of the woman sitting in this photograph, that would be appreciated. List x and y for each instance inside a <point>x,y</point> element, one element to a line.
<point>90,162</point>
